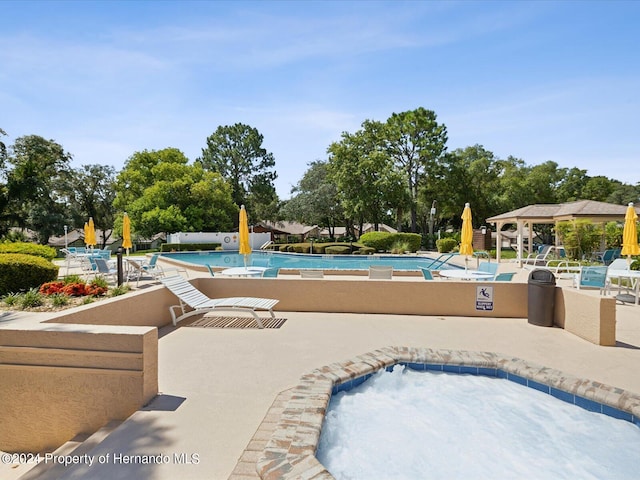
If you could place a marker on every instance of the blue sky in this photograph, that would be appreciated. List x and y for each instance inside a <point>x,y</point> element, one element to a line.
<point>539,80</point>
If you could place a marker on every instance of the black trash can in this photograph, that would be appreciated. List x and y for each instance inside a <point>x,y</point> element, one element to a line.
<point>542,292</point>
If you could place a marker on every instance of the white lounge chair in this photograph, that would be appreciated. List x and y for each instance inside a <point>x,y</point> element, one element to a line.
<point>193,298</point>
<point>311,273</point>
<point>381,272</point>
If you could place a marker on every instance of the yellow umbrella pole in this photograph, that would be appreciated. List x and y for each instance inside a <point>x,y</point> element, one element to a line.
<point>630,234</point>
<point>466,238</point>
<point>243,230</point>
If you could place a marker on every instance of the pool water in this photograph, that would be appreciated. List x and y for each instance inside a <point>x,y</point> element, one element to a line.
<point>405,424</point>
<point>302,261</point>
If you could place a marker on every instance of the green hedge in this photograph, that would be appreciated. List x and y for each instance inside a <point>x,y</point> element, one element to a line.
<point>446,245</point>
<point>377,240</point>
<point>21,272</point>
<point>385,241</point>
<point>27,248</point>
<point>338,250</point>
<point>182,247</point>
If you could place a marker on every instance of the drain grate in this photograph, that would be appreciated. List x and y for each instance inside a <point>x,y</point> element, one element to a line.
<point>236,322</point>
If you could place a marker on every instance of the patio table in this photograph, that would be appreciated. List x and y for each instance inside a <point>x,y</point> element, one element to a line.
<point>243,272</point>
<point>466,274</point>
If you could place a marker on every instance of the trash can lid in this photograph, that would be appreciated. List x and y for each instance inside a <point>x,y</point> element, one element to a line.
<point>542,276</point>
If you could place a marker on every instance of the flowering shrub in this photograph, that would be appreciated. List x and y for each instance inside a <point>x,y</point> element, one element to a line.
<point>75,289</point>
<point>51,288</point>
<point>95,290</point>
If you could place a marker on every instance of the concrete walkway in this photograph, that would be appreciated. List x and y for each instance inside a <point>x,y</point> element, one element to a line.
<point>217,384</point>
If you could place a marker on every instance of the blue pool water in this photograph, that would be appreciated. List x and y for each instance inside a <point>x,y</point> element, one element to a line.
<point>302,261</point>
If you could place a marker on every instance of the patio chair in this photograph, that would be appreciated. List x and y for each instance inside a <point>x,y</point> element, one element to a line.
<point>608,256</point>
<point>592,277</point>
<point>136,270</point>
<point>153,267</point>
<point>489,267</point>
<point>615,275</point>
<point>384,272</point>
<point>311,274</point>
<point>426,273</point>
<point>270,273</point>
<point>103,268</point>
<point>538,259</point>
<point>199,303</point>
<point>504,277</point>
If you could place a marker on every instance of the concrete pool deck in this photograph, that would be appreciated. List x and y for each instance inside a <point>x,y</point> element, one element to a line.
<point>217,385</point>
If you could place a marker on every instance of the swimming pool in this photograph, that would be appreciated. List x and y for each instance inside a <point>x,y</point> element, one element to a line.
<point>298,261</point>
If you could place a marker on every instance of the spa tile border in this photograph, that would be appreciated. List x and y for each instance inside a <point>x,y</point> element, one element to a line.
<point>290,451</point>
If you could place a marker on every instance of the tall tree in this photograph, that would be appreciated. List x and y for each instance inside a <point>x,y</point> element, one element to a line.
<point>162,193</point>
<point>236,153</point>
<point>315,200</point>
<point>416,142</point>
<point>40,168</point>
<point>466,175</point>
<point>4,198</point>
<point>3,150</point>
<point>91,193</point>
<point>364,173</point>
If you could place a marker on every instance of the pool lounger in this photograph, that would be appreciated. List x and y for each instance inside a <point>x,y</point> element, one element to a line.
<point>190,296</point>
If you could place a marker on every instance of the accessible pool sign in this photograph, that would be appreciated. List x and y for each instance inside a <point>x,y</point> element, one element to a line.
<point>484,298</point>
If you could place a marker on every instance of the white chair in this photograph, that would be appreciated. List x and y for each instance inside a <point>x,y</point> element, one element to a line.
<point>384,272</point>
<point>136,270</point>
<point>191,297</point>
<point>539,259</point>
<point>616,272</point>
<point>311,274</point>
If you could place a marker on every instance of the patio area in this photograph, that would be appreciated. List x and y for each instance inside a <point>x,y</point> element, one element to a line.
<point>217,384</point>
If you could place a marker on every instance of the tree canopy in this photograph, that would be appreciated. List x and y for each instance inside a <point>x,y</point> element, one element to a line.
<point>161,192</point>
<point>236,153</point>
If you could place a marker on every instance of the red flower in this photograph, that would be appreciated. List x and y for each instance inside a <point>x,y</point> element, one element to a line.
<point>51,288</point>
<point>74,289</point>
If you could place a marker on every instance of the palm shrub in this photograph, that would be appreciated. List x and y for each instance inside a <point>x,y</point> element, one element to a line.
<point>31,298</point>
<point>580,237</point>
<point>20,272</point>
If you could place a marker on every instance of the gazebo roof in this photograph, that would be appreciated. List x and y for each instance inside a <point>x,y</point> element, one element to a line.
<point>551,213</point>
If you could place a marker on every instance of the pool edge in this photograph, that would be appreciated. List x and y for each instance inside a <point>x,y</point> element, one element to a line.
<point>290,451</point>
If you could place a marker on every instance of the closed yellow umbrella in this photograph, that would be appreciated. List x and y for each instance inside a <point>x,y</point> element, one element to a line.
<point>630,234</point>
<point>92,232</point>
<point>126,232</point>
<point>87,235</point>
<point>466,238</point>
<point>245,246</point>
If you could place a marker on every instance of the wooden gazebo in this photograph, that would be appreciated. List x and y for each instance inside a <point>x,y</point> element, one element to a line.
<point>597,212</point>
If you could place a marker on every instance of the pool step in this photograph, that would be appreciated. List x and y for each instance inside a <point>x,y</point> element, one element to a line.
<point>79,445</point>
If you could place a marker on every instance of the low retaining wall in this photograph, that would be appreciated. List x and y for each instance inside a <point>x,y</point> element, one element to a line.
<point>60,378</point>
<point>58,381</point>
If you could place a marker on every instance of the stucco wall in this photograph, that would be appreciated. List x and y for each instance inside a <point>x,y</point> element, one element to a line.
<point>61,380</point>
<point>587,315</point>
<point>374,296</point>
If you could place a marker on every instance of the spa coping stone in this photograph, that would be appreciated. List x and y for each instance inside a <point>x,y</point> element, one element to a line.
<point>284,445</point>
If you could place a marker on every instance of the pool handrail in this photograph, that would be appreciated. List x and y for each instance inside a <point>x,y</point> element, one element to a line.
<point>441,262</point>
